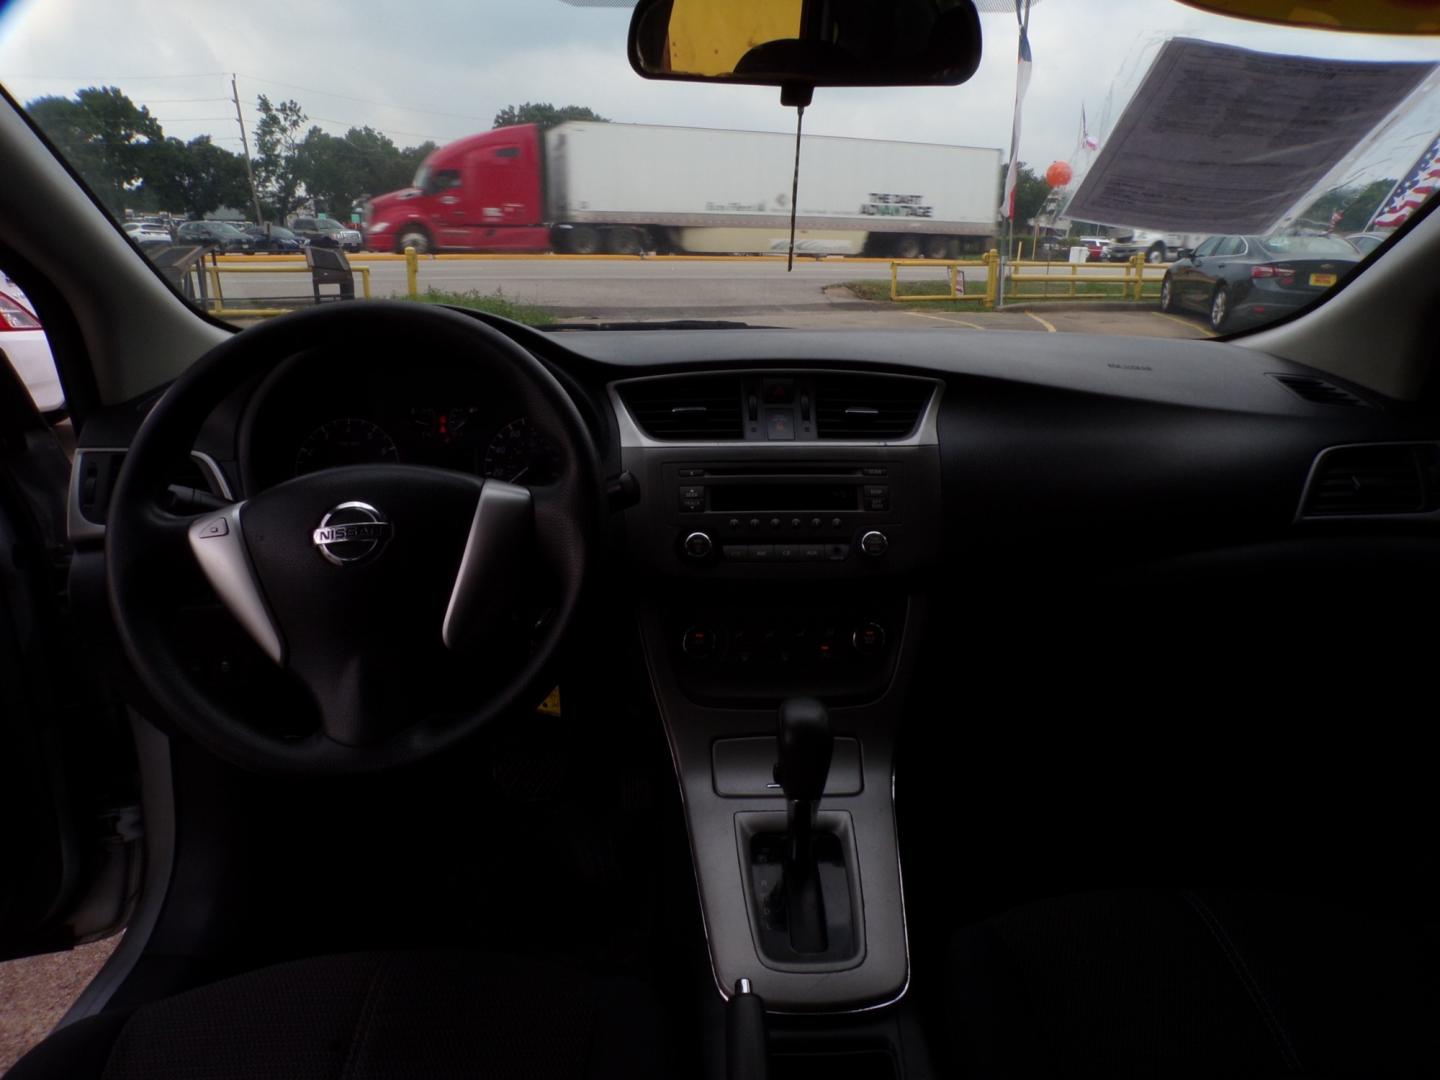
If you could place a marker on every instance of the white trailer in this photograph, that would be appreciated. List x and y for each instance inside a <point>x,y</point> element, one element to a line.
<point>709,190</point>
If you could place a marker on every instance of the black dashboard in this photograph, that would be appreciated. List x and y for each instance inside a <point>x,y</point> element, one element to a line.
<point>1039,466</point>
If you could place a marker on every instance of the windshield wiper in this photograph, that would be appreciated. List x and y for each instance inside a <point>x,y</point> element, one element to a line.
<point>672,324</point>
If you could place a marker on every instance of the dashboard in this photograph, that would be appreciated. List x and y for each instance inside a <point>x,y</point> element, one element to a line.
<point>319,412</point>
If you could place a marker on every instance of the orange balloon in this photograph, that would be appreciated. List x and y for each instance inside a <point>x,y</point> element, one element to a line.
<point>1058,174</point>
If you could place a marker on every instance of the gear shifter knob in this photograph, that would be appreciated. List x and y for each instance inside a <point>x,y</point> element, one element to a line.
<point>804,748</point>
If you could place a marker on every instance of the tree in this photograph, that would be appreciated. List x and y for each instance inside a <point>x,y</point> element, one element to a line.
<point>339,172</point>
<point>197,177</point>
<point>279,162</point>
<point>1031,191</point>
<point>1355,204</point>
<point>544,114</point>
<point>105,136</point>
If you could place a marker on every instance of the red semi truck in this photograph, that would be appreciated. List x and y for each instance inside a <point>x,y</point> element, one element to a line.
<point>588,188</point>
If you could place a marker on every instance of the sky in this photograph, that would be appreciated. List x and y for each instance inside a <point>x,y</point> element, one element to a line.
<point>440,69</point>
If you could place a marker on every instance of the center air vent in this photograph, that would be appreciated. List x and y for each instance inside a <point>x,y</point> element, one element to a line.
<point>1370,480</point>
<point>869,406</point>
<point>702,408</point>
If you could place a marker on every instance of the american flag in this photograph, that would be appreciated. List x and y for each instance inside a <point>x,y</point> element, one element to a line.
<point>1410,194</point>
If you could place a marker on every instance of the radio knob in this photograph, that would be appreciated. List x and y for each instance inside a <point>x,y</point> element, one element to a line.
<point>874,544</point>
<point>698,545</point>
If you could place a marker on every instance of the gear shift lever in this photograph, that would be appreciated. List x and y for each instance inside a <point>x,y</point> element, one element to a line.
<point>804,746</point>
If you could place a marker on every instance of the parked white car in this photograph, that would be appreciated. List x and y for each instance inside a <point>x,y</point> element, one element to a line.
<point>23,340</point>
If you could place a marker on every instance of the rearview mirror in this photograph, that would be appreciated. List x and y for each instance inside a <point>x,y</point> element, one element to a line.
<point>795,43</point>
<point>1185,253</point>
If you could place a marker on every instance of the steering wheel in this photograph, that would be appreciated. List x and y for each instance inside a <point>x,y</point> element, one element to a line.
<point>361,581</point>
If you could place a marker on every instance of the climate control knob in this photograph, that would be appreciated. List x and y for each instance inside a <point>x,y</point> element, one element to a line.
<point>698,545</point>
<point>868,639</point>
<point>874,544</point>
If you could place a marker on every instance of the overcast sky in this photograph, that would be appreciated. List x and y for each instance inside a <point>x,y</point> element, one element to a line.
<point>441,68</point>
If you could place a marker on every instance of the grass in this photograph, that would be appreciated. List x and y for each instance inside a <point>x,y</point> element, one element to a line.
<point>1059,289</point>
<point>496,303</point>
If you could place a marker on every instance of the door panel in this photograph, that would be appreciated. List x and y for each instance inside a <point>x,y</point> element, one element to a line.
<point>71,846</point>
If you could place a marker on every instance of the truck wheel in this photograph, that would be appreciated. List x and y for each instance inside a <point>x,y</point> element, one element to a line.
<point>623,242</point>
<point>907,247</point>
<point>1156,254</point>
<point>938,247</point>
<point>581,240</point>
<point>414,237</point>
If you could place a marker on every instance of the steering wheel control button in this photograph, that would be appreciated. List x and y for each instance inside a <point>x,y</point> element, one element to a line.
<point>869,639</point>
<point>698,545</point>
<point>213,528</point>
<point>351,533</point>
<point>874,544</point>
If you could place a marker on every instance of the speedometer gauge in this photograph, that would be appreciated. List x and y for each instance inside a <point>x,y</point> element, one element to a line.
<point>520,454</point>
<point>347,441</point>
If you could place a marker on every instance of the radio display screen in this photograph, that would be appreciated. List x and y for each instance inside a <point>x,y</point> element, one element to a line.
<point>724,497</point>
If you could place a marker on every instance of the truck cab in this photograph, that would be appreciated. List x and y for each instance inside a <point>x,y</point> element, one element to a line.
<point>482,193</point>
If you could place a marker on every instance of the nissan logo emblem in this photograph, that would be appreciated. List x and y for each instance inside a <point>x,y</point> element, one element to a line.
<point>351,533</point>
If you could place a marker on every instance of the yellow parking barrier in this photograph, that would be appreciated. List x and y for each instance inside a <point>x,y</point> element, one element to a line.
<point>1129,278</point>
<point>214,270</point>
<point>956,280</point>
<point>412,272</point>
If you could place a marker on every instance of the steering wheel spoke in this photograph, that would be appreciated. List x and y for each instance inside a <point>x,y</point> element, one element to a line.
<point>502,535</point>
<point>218,544</point>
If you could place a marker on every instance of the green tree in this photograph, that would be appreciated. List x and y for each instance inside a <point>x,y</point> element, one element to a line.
<point>1356,204</point>
<point>1031,191</point>
<point>341,171</point>
<point>279,161</point>
<point>105,136</point>
<point>197,177</point>
<point>544,114</point>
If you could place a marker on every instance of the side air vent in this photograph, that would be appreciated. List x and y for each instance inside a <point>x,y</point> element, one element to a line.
<point>1371,480</point>
<point>1319,392</point>
<point>702,408</point>
<point>868,406</point>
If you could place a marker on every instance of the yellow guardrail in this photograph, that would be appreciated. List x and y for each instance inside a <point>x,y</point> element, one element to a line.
<point>956,279</point>
<point>213,270</point>
<point>1129,277</point>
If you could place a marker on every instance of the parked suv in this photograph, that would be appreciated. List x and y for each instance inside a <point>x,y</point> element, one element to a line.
<point>327,232</point>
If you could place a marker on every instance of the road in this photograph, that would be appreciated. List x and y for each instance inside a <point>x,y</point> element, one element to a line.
<point>758,291</point>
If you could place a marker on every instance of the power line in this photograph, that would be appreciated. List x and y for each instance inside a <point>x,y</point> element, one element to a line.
<point>116,78</point>
<point>367,101</point>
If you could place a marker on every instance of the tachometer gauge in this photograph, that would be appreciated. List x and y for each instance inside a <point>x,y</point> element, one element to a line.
<point>520,454</point>
<point>347,441</point>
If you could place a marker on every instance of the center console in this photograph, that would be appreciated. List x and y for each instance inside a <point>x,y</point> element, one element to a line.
<point>783,516</point>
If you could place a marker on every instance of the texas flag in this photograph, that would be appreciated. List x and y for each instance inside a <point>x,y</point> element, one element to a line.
<point>1410,193</point>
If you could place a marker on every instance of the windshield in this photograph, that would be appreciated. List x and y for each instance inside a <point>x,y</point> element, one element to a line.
<point>1317,246</point>
<point>1142,127</point>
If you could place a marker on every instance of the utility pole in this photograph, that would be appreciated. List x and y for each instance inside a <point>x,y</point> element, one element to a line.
<point>245,146</point>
